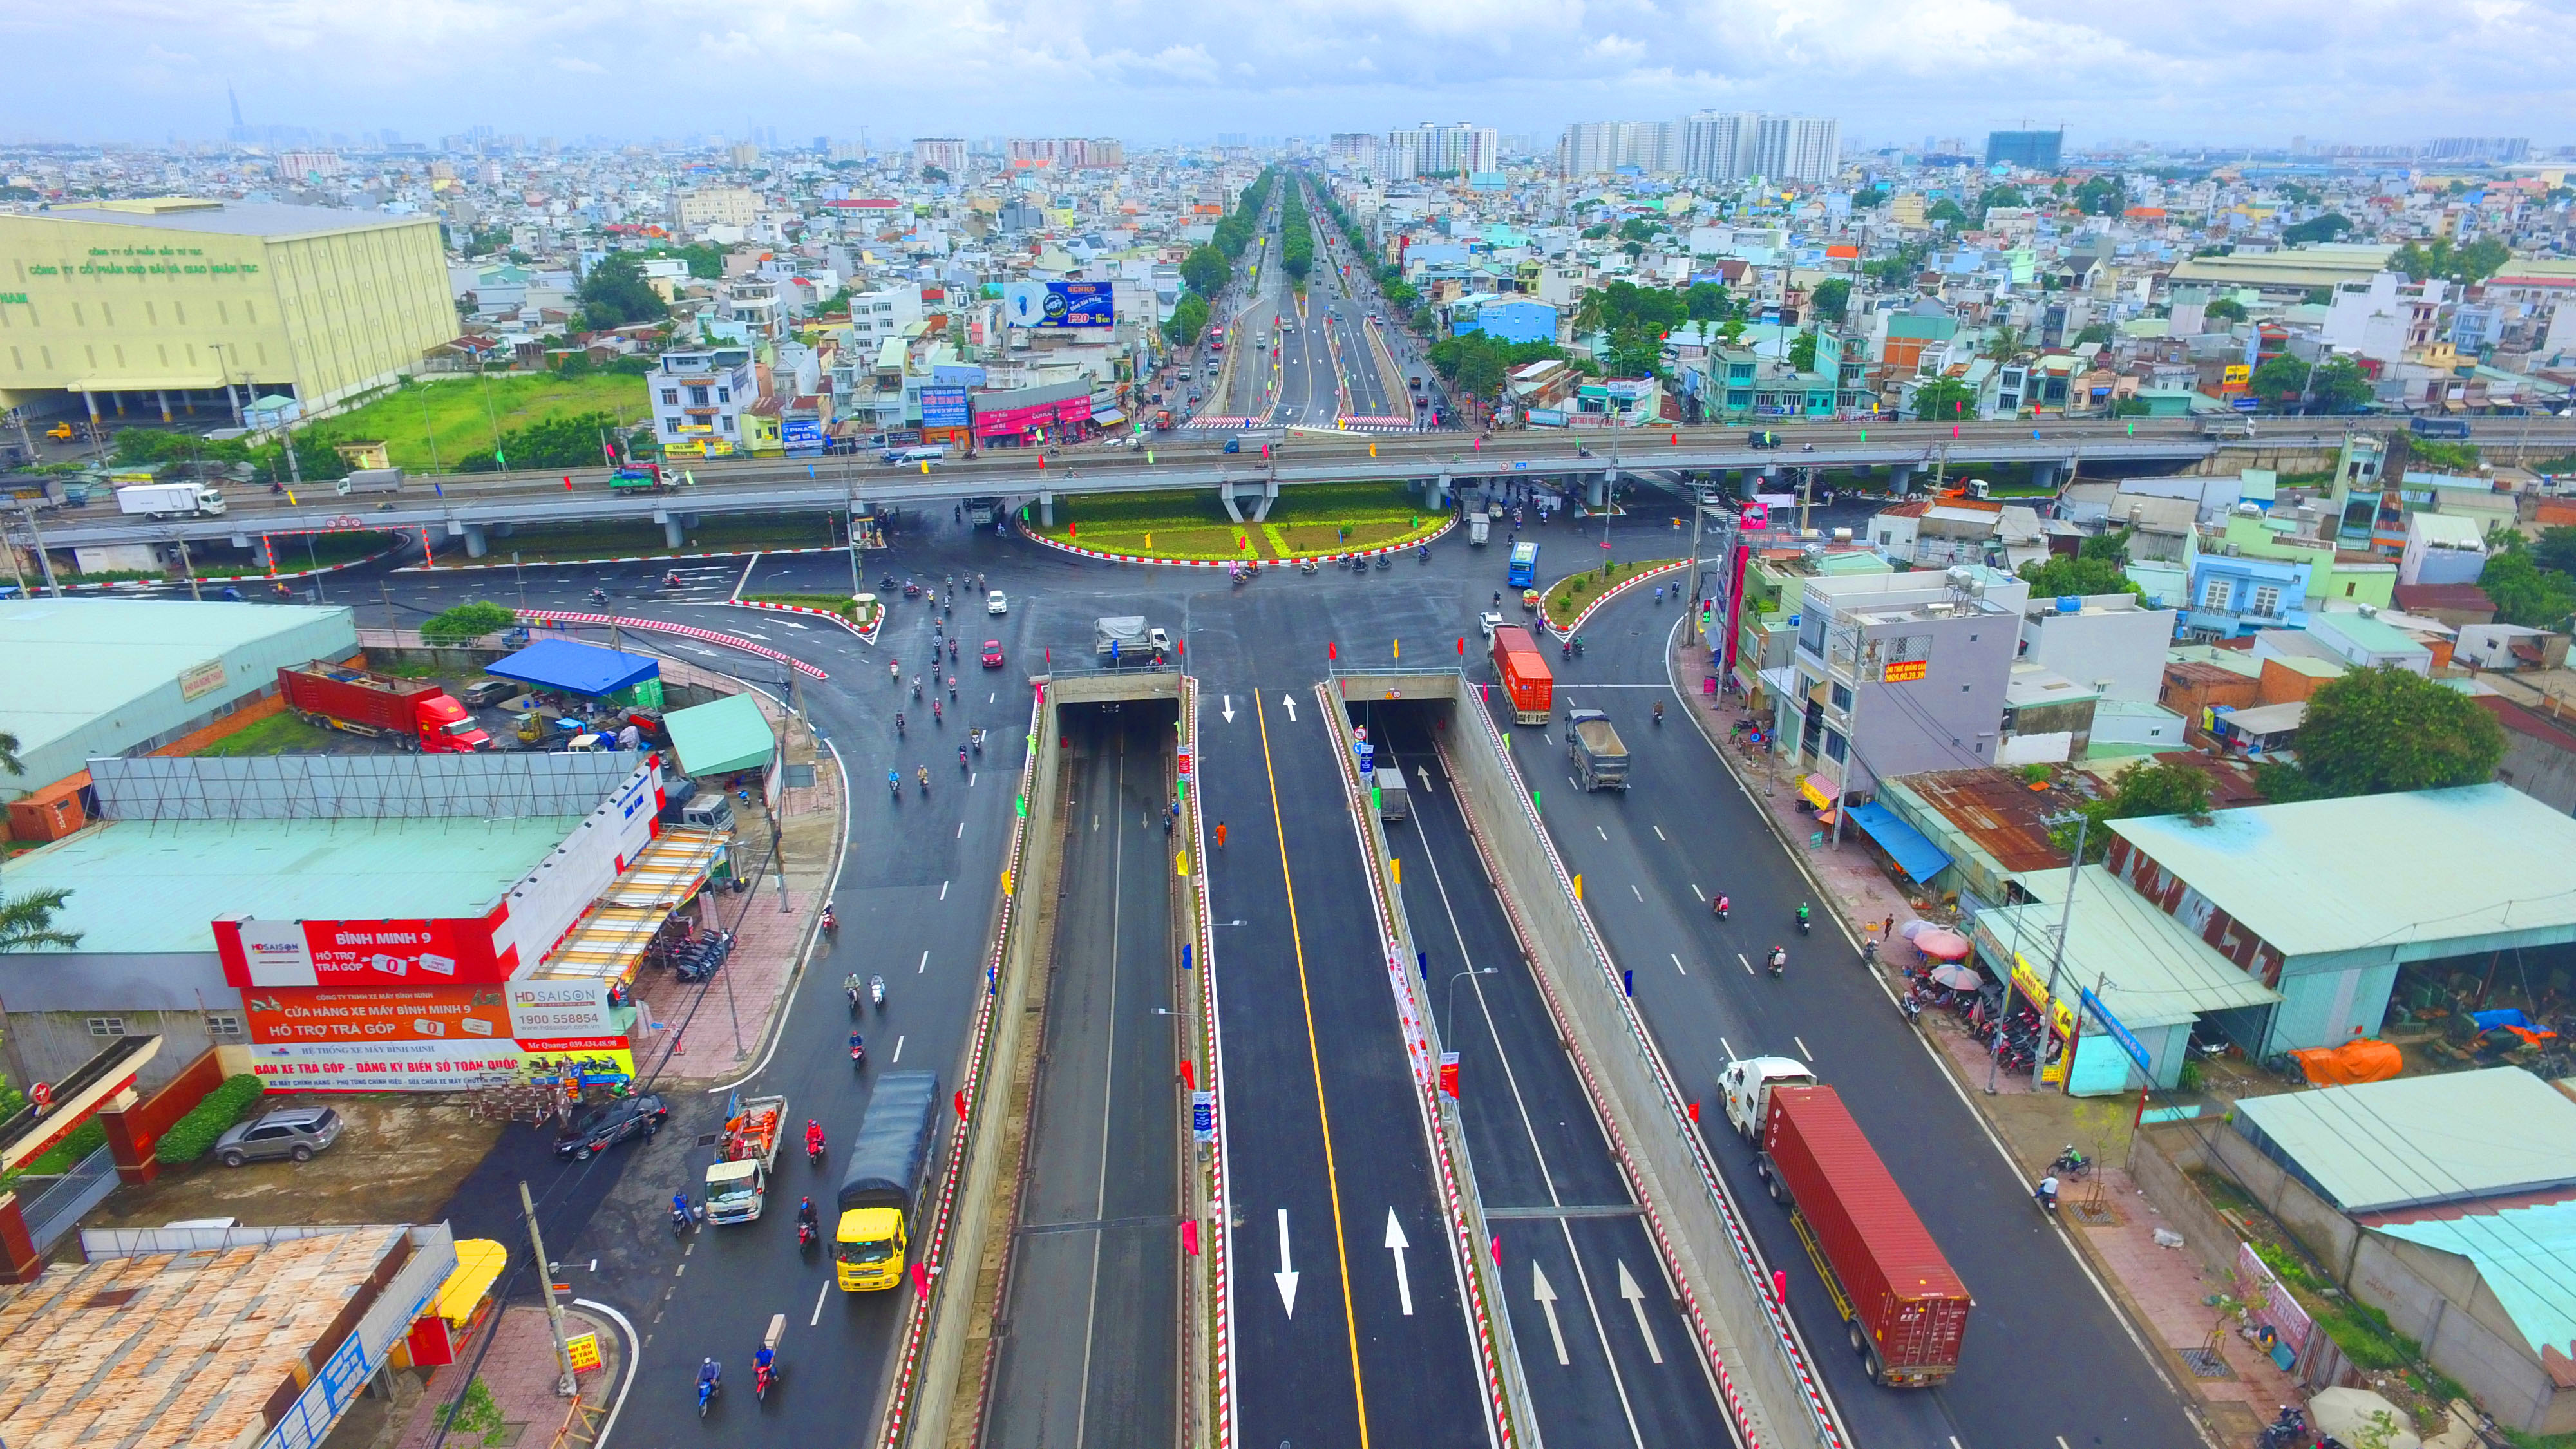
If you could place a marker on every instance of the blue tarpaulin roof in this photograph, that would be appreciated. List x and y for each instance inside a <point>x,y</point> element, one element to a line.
<point>561,664</point>
<point>1913,854</point>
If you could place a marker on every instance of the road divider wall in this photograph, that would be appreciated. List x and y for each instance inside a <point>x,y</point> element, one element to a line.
<point>1207,1300</point>
<point>1761,1363</point>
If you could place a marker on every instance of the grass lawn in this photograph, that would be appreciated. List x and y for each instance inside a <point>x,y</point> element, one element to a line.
<point>1322,519</point>
<point>279,734</point>
<point>643,538</point>
<point>295,554</point>
<point>453,418</point>
<point>840,604</point>
<point>1571,595</point>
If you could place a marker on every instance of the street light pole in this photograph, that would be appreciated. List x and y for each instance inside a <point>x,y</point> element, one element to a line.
<point>1450,1010</point>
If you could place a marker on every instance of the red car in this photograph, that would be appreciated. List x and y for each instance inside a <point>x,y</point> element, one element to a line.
<point>992,653</point>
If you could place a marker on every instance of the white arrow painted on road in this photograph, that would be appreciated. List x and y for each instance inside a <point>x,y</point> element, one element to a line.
<point>1289,704</point>
<point>1396,1244</point>
<point>1546,1297</point>
<point>1636,1297</point>
<point>1425,772</point>
<point>1286,1277</point>
<point>1229,708</point>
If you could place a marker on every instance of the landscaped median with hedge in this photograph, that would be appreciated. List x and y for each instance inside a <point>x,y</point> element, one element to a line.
<point>1568,597</point>
<point>842,604</point>
<point>193,1136</point>
<point>1317,520</point>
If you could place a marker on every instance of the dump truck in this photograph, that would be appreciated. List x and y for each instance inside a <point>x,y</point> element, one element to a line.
<point>1904,1310</point>
<point>361,702</point>
<point>1600,759</point>
<point>1524,675</point>
<point>372,480</point>
<point>170,500</point>
<point>888,1161</point>
<point>746,1155</point>
<point>635,477</point>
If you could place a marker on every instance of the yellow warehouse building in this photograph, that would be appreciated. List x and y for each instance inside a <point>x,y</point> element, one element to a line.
<point>142,309</point>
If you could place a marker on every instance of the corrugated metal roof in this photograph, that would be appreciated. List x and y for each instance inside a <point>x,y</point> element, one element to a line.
<point>2527,1255</point>
<point>2406,877</point>
<point>2455,1137</point>
<point>1999,811</point>
<point>2153,970</point>
<point>147,889</point>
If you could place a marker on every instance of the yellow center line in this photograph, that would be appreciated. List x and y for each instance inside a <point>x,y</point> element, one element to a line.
<point>1314,1057</point>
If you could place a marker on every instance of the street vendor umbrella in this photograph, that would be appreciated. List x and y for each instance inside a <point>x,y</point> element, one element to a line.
<point>1941,945</point>
<point>1957,977</point>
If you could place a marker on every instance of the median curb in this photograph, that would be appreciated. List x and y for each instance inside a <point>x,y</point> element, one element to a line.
<point>1570,630</point>
<point>866,635</point>
<point>1043,541</point>
<point>559,563</point>
<point>228,581</point>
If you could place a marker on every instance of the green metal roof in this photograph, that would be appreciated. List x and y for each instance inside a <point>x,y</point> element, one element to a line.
<point>720,736</point>
<point>2527,1255</point>
<point>143,889</point>
<point>2151,969</point>
<point>2417,1141</point>
<point>2403,877</point>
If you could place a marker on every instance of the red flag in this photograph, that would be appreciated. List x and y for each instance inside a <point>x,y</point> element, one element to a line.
<point>1677,439</point>
<point>1189,1075</point>
<point>961,1101</point>
<point>1462,646</point>
<point>1190,1237</point>
<point>1694,1111</point>
<point>1780,1286</point>
<point>1330,652</point>
<point>920,1281</point>
<point>567,482</point>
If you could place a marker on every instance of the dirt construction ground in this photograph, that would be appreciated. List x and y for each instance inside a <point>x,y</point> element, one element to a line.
<point>398,1161</point>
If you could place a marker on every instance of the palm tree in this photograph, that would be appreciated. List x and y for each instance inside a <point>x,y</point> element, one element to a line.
<point>28,920</point>
<point>2006,342</point>
<point>9,760</point>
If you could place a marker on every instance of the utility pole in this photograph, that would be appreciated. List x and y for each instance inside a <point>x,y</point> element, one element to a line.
<point>2057,951</point>
<point>36,541</point>
<point>554,1309</point>
<point>189,572</point>
<point>1806,497</point>
<point>1851,736</point>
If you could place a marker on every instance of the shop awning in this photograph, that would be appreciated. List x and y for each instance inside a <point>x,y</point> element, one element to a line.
<point>607,946</point>
<point>561,664</point>
<point>1782,680</point>
<point>1818,790</point>
<point>1914,855</point>
<point>666,872</point>
<point>1107,417</point>
<point>720,736</point>
<point>479,1262</point>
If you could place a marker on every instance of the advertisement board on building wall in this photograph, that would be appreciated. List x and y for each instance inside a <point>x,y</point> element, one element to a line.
<point>1058,304</point>
<point>550,1010</point>
<point>375,953</point>
<point>1072,412</point>
<point>943,407</point>
<point>801,433</point>
<point>331,1014</point>
<point>419,1066</point>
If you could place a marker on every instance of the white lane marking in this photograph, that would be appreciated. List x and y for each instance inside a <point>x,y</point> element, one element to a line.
<point>1396,1244</point>
<point>1546,1297</point>
<point>1747,965</point>
<point>961,830</point>
<point>971,777</point>
<point>898,1050</point>
<point>1640,895</point>
<point>1286,1277</point>
<point>1722,1046</point>
<point>1597,830</point>
<point>943,890</point>
<point>1659,835</point>
<point>925,964</point>
<point>819,1295</point>
<point>1678,966</point>
<point>1289,705</point>
<point>1636,1297</point>
<point>1695,890</point>
<point>1802,1048</point>
<point>988,699</point>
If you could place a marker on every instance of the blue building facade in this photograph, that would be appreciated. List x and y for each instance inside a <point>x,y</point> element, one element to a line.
<point>2233,596</point>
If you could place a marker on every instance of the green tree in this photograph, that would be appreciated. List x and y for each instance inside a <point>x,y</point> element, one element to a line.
<point>1206,271</point>
<point>27,921</point>
<point>2099,332</point>
<point>9,761</point>
<point>2005,342</point>
<point>1637,229</point>
<point>2554,549</point>
<point>2339,386</point>
<point>1708,302</point>
<point>2279,381</point>
<point>1945,210</point>
<point>2467,265</point>
<point>934,173</point>
<point>2375,731</point>
<point>706,260</point>
<point>2061,577</point>
<point>1831,299</point>
<point>1945,400</point>
<point>2324,228</point>
<point>2110,548</point>
<point>1995,196</point>
<point>1189,318</point>
<point>615,294</point>
<point>575,440</point>
<point>1900,267</point>
<point>457,624</point>
<point>2153,788</point>
<point>2526,593</point>
<point>2448,456</point>
<point>2101,196</point>
<point>2225,309</point>
<point>1802,352</point>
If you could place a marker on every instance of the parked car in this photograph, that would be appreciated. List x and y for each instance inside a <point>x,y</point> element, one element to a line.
<point>992,653</point>
<point>295,1133</point>
<point>604,1127</point>
<point>484,693</point>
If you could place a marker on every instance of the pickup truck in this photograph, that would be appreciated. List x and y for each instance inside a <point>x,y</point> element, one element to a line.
<point>1600,759</point>
<point>888,1160</point>
<point>746,1154</point>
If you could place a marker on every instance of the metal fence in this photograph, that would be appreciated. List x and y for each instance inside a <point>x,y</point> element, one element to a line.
<point>57,1210</point>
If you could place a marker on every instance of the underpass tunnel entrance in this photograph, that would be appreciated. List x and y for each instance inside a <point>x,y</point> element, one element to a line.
<point>1399,737</point>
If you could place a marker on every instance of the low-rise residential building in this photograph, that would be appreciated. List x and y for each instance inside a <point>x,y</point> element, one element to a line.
<point>697,396</point>
<point>1899,673</point>
<point>2233,596</point>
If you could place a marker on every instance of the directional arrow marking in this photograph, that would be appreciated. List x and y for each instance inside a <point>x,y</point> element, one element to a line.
<point>1425,772</point>
<point>1289,704</point>
<point>1286,1277</point>
<point>1229,709</point>
<point>1546,1297</point>
<point>1636,1297</point>
<point>1396,1244</point>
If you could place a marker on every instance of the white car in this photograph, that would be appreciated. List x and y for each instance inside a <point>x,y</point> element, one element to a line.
<point>995,603</point>
<point>1488,622</point>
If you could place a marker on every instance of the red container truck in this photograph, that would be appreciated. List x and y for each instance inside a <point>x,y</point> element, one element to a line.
<point>336,696</point>
<point>1524,674</point>
<point>1904,1310</point>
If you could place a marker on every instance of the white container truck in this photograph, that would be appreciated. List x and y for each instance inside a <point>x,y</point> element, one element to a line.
<point>170,500</point>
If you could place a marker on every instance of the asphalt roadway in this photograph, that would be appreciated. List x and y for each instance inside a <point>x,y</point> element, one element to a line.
<point>2046,1356</point>
<point>1087,1347</point>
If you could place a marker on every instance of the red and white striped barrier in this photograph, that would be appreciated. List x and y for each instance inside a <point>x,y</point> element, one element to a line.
<point>1615,590</point>
<point>1266,564</point>
<point>565,563</point>
<point>1219,1234</point>
<point>1467,1254</point>
<point>934,1244</point>
<point>224,581</point>
<point>548,618</point>
<point>868,634</point>
<point>1828,1426</point>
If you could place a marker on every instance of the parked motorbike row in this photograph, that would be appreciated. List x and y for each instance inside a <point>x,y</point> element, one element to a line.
<point>701,956</point>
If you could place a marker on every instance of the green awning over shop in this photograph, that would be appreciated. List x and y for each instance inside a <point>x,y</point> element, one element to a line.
<point>720,737</point>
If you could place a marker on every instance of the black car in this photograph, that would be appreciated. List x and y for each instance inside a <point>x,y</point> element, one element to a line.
<point>603,1127</point>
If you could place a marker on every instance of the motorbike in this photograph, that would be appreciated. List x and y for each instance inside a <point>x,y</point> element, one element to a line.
<point>1385,562</point>
<point>1422,554</point>
<point>911,590</point>
<point>935,716</point>
<point>2071,1162</point>
<point>916,686</point>
<point>680,1221</point>
<point>2288,1430</point>
<point>1721,906</point>
<point>599,596</point>
<point>858,1053</point>
<point>1564,648</point>
<point>708,1388</point>
<point>1805,921</point>
<point>876,992</point>
<point>922,774</point>
<point>952,648</point>
<point>1577,642</point>
<point>2047,1201</point>
<point>850,989</point>
<point>886,585</point>
<point>831,925</point>
<point>1307,567</point>
<point>805,1234</point>
<point>1779,964</point>
<point>1659,711</point>
<point>898,726</point>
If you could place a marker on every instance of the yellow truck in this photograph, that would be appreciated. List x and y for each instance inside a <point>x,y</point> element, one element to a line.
<point>881,1191</point>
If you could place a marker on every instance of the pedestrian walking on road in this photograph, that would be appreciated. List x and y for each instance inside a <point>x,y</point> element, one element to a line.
<point>1888,929</point>
<point>1220,835</point>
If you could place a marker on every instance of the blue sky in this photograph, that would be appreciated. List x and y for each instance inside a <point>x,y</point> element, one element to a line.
<point>2253,72</point>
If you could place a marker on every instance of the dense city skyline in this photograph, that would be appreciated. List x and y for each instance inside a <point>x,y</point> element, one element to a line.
<point>2371,74</point>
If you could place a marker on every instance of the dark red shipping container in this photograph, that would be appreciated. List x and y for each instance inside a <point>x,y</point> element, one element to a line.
<point>1525,675</point>
<point>1908,1310</point>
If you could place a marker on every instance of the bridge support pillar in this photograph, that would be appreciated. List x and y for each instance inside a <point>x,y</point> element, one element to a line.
<point>1900,477</point>
<point>1596,493</point>
<point>1046,508</point>
<point>1435,492</point>
<point>476,543</point>
<point>673,535</point>
<point>2043,475</point>
<point>1269,495</point>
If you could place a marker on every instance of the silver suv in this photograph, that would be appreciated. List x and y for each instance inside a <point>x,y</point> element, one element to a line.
<point>290,1132</point>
